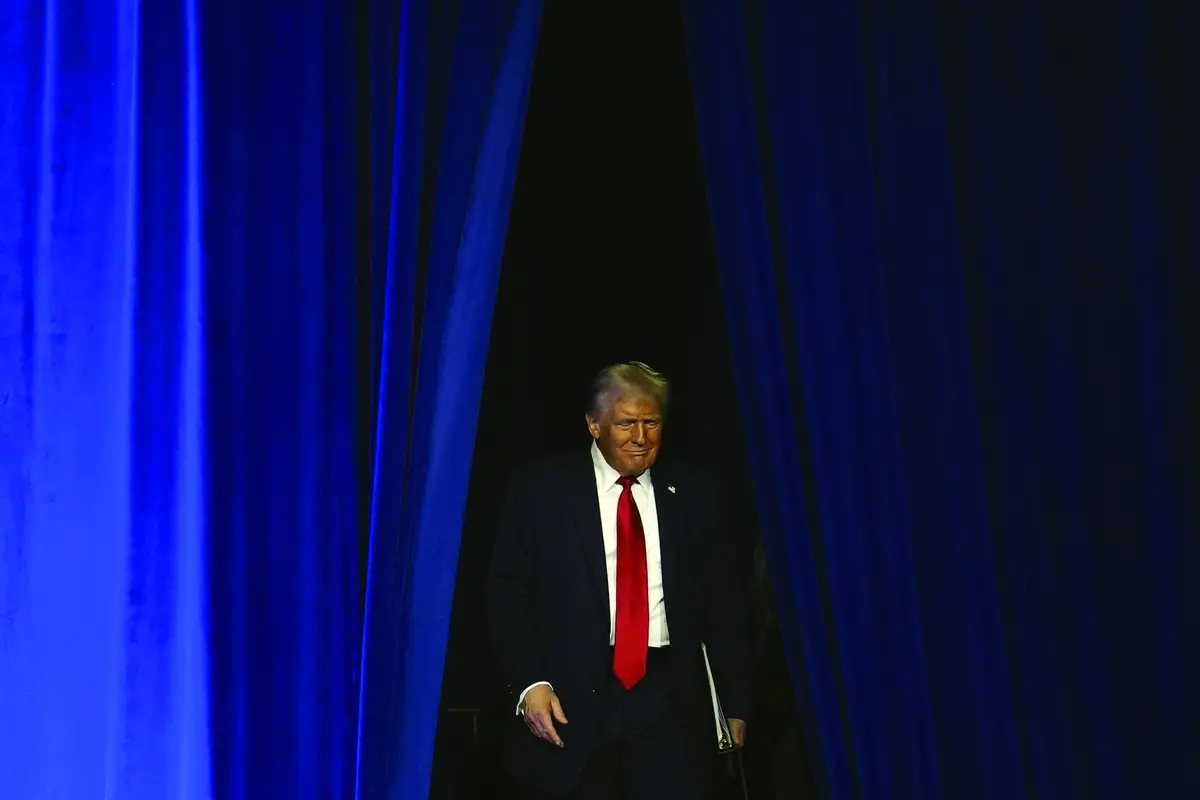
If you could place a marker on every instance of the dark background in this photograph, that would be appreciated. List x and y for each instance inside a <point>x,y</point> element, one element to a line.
<point>609,257</point>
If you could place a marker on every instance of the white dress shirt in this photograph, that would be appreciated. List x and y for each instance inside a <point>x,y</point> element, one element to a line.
<point>643,494</point>
<point>609,493</point>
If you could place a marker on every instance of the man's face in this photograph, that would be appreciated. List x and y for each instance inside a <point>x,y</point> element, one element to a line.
<point>629,434</point>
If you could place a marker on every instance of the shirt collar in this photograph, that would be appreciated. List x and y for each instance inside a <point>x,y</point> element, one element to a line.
<point>606,476</point>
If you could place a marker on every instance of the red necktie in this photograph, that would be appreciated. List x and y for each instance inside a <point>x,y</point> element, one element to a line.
<point>633,593</point>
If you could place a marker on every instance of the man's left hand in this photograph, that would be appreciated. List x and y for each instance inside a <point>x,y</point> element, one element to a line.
<point>737,731</point>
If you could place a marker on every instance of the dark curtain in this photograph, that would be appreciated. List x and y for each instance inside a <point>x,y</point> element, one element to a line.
<point>280,264</point>
<point>214,341</point>
<point>957,248</point>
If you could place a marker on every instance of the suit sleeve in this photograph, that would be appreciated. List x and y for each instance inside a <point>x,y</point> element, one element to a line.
<point>509,593</point>
<point>728,619</point>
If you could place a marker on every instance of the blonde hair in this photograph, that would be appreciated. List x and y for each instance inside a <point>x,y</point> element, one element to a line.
<point>629,380</point>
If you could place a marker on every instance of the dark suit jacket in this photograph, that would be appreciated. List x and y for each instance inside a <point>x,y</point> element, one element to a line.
<point>547,598</point>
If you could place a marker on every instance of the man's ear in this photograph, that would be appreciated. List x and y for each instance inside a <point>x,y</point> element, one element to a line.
<point>593,425</point>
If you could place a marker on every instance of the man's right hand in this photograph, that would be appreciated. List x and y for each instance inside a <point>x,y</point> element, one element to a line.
<point>542,710</point>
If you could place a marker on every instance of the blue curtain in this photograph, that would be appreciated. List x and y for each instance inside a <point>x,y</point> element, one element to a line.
<point>180,591</point>
<point>460,98</point>
<point>949,257</point>
<point>280,268</point>
<point>102,434</point>
<point>189,359</point>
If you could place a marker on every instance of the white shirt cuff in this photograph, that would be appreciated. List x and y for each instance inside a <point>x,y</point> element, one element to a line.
<point>521,699</point>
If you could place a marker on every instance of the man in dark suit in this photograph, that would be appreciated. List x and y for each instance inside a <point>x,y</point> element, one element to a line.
<point>606,577</point>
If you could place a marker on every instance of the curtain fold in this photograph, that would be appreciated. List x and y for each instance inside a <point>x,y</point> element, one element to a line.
<point>181,316</point>
<point>948,259</point>
<point>1085,355</point>
<point>182,356</point>
<point>282,358</point>
<point>724,97</point>
<point>102,512</point>
<point>430,386</point>
<point>816,226</point>
<point>936,404</point>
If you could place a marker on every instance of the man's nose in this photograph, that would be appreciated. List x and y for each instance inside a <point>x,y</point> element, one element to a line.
<point>639,433</point>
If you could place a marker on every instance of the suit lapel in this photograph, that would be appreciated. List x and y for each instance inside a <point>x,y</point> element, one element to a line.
<point>585,508</point>
<point>667,504</point>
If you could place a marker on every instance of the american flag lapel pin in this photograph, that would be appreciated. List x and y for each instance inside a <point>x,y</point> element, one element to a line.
<point>670,488</point>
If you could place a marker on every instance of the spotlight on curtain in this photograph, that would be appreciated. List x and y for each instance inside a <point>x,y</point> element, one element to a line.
<point>103,660</point>
<point>181,318</point>
<point>180,324</point>
<point>960,252</point>
<point>459,108</point>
